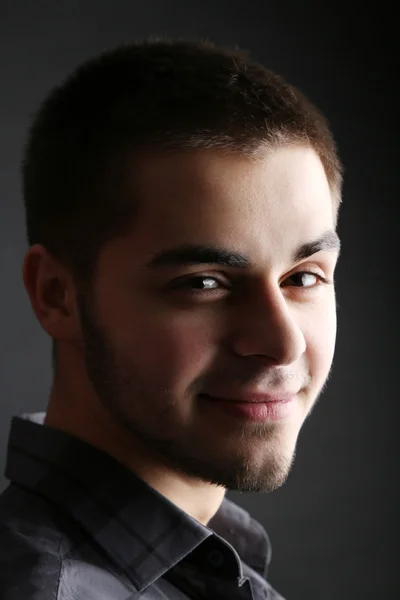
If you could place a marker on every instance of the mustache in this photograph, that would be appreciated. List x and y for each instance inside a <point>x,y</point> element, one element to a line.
<point>277,377</point>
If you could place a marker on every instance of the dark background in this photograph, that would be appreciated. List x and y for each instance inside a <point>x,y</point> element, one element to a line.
<point>333,525</point>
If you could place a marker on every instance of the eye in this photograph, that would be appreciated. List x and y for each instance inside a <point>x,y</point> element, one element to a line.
<point>306,279</point>
<point>202,285</point>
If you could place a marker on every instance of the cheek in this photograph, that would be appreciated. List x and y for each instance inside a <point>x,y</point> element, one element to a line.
<point>170,349</point>
<point>320,335</point>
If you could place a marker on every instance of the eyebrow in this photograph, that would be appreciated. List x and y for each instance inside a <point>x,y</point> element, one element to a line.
<point>197,254</point>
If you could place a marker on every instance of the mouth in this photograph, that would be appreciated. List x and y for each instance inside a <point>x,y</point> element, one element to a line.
<point>259,407</point>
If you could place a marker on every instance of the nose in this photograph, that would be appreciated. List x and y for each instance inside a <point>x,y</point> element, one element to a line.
<point>267,326</point>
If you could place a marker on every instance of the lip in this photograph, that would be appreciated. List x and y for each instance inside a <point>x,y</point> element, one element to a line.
<point>273,409</point>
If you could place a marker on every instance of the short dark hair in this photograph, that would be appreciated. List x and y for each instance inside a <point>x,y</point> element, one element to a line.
<point>157,93</point>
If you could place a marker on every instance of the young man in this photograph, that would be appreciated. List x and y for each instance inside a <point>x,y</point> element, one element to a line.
<point>181,206</point>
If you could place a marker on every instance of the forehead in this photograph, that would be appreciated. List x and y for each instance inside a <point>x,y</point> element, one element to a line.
<point>280,200</point>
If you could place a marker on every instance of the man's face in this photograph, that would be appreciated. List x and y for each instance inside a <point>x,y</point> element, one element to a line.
<point>159,337</point>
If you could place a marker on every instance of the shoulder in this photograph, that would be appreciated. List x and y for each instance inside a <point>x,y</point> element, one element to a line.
<point>45,556</point>
<point>30,547</point>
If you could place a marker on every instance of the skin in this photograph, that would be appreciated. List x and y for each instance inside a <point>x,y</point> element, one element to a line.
<point>135,353</point>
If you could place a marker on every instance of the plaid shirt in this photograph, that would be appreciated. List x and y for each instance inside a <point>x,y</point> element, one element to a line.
<point>77,525</point>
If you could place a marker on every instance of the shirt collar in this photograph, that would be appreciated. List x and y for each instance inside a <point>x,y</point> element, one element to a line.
<point>138,528</point>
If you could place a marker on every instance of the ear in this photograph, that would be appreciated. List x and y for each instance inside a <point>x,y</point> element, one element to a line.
<point>52,294</point>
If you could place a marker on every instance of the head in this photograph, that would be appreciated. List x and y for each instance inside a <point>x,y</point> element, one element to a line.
<point>186,199</point>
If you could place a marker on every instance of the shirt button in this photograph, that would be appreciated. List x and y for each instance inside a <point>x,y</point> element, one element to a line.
<point>215,558</point>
